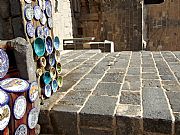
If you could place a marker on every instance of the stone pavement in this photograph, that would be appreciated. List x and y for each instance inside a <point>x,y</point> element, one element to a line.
<point>121,93</point>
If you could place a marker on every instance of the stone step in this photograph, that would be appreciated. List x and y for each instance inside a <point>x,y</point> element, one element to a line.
<point>122,93</point>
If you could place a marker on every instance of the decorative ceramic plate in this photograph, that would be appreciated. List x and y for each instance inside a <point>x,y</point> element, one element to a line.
<point>57,56</point>
<point>40,3</point>
<point>5,116</point>
<point>14,85</point>
<point>37,12</point>
<point>43,5</point>
<point>54,85</point>
<point>46,31</point>
<point>43,20</point>
<point>29,12</point>
<point>40,32</point>
<point>4,98</point>
<point>30,29</point>
<point>21,130</point>
<point>52,60</point>
<point>33,118</point>
<point>48,8</point>
<point>39,46</point>
<point>50,23</point>
<point>4,63</point>
<point>33,91</point>
<point>28,1</point>
<point>56,42</point>
<point>20,105</point>
<point>49,45</point>
<point>48,90</point>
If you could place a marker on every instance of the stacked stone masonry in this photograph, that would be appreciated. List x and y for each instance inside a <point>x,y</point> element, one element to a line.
<point>122,93</point>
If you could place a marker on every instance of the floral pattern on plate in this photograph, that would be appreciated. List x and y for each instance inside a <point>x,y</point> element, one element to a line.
<point>30,29</point>
<point>49,45</point>
<point>40,32</point>
<point>4,98</point>
<point>48,8</point>
<point>4,63</point>
<point>33,118</point>
<point>46,31</point>
<point>47,90</point>
<point>20,105</point>
<point>5,116</point>
<point>28,12</point>
<point>37,12</point>
<point>33,91</point>
<point>21,130</point>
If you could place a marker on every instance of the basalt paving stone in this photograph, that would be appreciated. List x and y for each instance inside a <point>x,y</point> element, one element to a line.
<point>171,59</point>
<point>117,70</point>
<point>151,83</point>
<point>147,65</point>
<point>133,71</point>
<point>120,64</point>
<point>132,78</point>
<point>74,98</point>
<point>79,60</point>
<point>64,119</point>
<point>174,98</point>
<point>130,98</point>
<point>168,77</point>
<point>81,70</point>
<point>86,84</point>
<point>150,76</point>
<point>91,75</point>
<point>71,65</point>
<point>177,75</point>
<point>175,68</point>
<point>164,71</point>
<point>132,86</point>
<point>177,123</point>
<point>169,82</point>
<point>113,77</point>
<point>91,131</point>
<point>110,89</point>
<point>98,112</point>
<point>156,114</point>
<point>149,70</point>
<point>98,70</point>
<point>98,56</point>
<point>171,87</point>
<point>67,84</point>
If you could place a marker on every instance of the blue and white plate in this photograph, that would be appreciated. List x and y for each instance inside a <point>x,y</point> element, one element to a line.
<point>21,130</point>
<point>54,85</point>
<point>33,118</point>
<point>50,23</point>
<point>47,90</point>
<point>48,8</point>
<point>52,60</point>
<point>30,29</point>
<point>43,20</point>
<point>49,45</point>
<point>56,43</point>
<point>14,85</point>
<point>46,31</point>
<point>37,12</point>
<point>33,91</point>
<point>5,114</point>
<point>19,108</point>
<point>4,98</point>
<point>28,12</point>
<point>4,63</point>
<point>39,32</point>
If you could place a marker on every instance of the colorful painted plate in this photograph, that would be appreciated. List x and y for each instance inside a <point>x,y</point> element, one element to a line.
<point>60,81</point>
<point>50,23</point>
<point>54,85</point>
<point>30,29</point>
<point>28,1</point>
<point>52,60</point>
<point>4,63</point>
<point>4,98</point>
<point>46,31</point>
<point>40,32</point>
<point>49,45</point>
<point>14,85</point>
<point>33,91</point>
<point>43,20</point>
<point>21,130</point>
<point>56,43</point>
<point>48,8</point>
<point>19,108</point>
<point>33,118</point>
<point>5,116</point>
<point>47,77</point>
<point>57,56</point>
<point>39,46</point>
<point>37,12</point>
<point>47,90</point>
<point>28,12</point>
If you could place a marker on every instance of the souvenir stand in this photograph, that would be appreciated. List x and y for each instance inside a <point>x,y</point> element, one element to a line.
<point>38,24</point>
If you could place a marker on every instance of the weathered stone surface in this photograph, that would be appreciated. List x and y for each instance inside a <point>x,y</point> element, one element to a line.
<point>91,114</point>
<point>177,123</point>
<point>149,76</point>
<point>167,77</point>
<point>91,131</point>
<point>174,98</point>
<point>18,27</point>
<point>113,77</point>
<point>151,83</point>
<point>156,114</point>
<point>130,98</point>
<point>149,70</point>
<point>15,8</point>
<point>133,86</point>
<point>133,71</point>
<point>109,89</point>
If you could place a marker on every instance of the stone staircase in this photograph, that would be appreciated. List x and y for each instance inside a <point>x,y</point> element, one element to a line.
<point>121,93</point>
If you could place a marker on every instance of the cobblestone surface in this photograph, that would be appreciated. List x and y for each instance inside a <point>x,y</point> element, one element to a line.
<point>122,93</point>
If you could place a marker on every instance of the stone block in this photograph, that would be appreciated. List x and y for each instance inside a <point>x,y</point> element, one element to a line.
<point>5,8</point>
<point>109,89</point>
<point>113,77</point>
<point>150,76</point>
<point>91,131</point>
<point>133,71</point>
<point>15,8</point>
<point>151,83</point>
<point>98,112</point>
<point>174,98</point>
<point>18,28</point>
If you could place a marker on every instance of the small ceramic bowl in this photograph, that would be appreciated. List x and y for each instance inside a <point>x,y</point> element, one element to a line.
<point>43,19</point>
<point>56,42</point>
<point>60,81</point>
<point>49,45</point>
<point>47,91</point>
<point>40,32</point>
<point>46,77</point>
<point>51,59</point>
<point>42,62</point>
<point>30,29</point>
<point>39,47</point>
<point>57,56</point>
<point>50,22</point>
<point>53,72</point>
<point>48,9</point>
<point>46,31</point>
<point>39,72</point>
<point>37,12</point>
<point>58,68</point>
<point>54,85</point>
